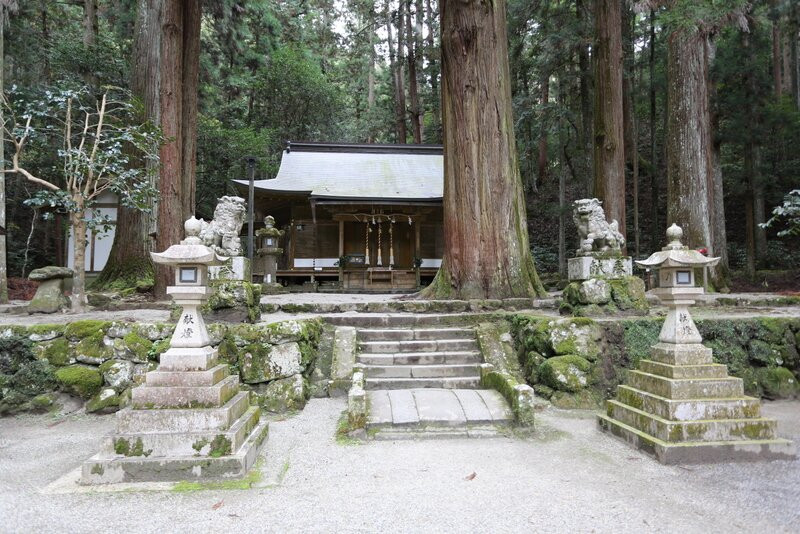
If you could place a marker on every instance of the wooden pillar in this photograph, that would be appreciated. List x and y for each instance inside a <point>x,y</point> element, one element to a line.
<point>341,253</point>
<point>416,239</point>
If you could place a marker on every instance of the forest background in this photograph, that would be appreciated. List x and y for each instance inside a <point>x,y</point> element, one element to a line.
<point>363,71</point>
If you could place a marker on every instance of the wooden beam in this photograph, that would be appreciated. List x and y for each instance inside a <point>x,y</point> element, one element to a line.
<point>341,238</point>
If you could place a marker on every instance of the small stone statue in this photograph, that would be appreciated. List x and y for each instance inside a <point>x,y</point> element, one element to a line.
<point>596,234</point>
<point>222,233</point>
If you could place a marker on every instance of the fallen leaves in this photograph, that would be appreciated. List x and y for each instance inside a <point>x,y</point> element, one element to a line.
<point>218,505</point>
<point>471,476</point>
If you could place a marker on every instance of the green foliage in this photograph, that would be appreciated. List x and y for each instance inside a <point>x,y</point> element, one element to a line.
<point>80,380</point>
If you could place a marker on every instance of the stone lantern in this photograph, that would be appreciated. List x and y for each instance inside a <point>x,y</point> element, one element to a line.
<point>191,260</point>
<point>188,421</point>
<point>676,265</point>
<point>269,251</point>
<point>678,405</point>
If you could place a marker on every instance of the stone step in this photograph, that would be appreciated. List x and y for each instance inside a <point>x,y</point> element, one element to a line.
<point>158,397</point>
<point>420,358</point>
<point>390,347</point>
<point>697,430</point>
<point>112,470</point>
<point>712,370</point>
<point>187,378</point>
<point>681,354</point>
<point>390,433</point>
<point>180,359</point>
<point>386,334</point>
<point>136,421</point>
<point>686,388</point>
<point>200,444</point>
<point>693,452</point>
<point>399,320</point>
<point>420,371</point>
<point>423,409</point>
<point>689,409</point>
<point>411,383</point>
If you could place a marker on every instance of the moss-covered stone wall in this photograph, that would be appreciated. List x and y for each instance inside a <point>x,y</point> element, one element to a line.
<point>99,361</point>
<point>578,362</point>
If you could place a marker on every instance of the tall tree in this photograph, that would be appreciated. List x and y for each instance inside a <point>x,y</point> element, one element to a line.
<point>180,47</point>
<point>690,162</point>
<point>129,260</point>
<point>487,252</point>
<point>609,142</point>
<point>6,7</point>
<point>396,68</point>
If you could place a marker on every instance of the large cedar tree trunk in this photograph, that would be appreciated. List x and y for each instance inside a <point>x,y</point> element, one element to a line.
<point>487,254</point>
<point>609,143</point>
<point>129,260</point>
<point>189,93</point>
<point>690,164</point>
<point>170,204</point>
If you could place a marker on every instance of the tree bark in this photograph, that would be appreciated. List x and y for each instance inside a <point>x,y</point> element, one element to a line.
<point>129,260</point>
<point>189,93</point>
<point>3,269</point>
<point>170,205</point>
<point>656,233</point>
<point>78,221</point>
<point>413,81</point>
<point>718,229</point>
<point>585,89</point>
<point>609,144</point>
<point>397,77</point>
<point>487,253</point>
<point>689,142</point>
<point>542,161</point>
<point>629,116</point>
<point>777,59</point>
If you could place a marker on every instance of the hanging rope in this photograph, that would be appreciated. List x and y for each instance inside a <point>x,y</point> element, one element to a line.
<point>391,244</point>
<point>379,263</point>
<point>366,243</point>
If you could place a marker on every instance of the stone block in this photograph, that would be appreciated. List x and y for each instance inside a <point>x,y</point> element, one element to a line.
<point>158,397</point>
<point>594,291</point>
<point>235,268</point>
<point>49,297</point>
<point>179,359</point>
<point>179,420</point>
<point>586,267</point>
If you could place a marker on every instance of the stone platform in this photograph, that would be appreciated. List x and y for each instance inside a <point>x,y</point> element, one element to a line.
<point>410,413</point>
<point>587,267</point>
<point>187,421</point>
<point>682,408</point>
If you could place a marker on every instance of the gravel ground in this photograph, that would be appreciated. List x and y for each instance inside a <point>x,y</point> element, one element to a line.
<point>567,477</point>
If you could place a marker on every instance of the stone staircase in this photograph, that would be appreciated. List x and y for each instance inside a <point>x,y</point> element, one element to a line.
<point>422,376</point>
<point>419,358</point>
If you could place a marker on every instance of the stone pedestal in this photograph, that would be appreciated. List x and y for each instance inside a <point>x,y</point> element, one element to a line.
<point>682,408</point>
<point>587,267</point>
<point>235,268</point>
<point>49,297</point>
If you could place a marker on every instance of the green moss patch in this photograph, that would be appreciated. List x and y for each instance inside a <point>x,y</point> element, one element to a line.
<point>80,380</point>
<point>82,329</point>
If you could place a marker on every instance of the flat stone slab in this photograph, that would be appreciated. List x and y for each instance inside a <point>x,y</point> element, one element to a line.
<point>437,407</point>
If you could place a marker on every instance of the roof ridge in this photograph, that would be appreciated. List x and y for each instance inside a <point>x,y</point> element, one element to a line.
<point>366,148</point>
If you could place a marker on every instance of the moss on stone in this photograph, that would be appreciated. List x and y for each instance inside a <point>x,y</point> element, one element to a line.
<point>92,349</point>
<point>103,402</point>
<point>46,329</point>
<point>585,399</point>
<point>157,349</point>
<point>569,373</point>
<point>628,293</point>
<point>139,347</point>
<point>220,446</point>
<point>81,380</point>
<point>57,351</point>
<point>86,328</point>
<point>778,383</point>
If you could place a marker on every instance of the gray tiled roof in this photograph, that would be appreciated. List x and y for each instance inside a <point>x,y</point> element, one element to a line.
<point>394,176</point>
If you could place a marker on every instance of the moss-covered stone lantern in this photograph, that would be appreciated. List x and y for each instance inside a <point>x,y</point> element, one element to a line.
<point>269,251</point>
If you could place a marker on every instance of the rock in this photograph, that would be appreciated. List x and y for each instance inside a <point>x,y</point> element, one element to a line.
<point>234,301</point>
<point>98,300</point>
<point>93,349</point>
<point>261,362</point>
<point>582,400</point>
<point>764,353</point>
<point>578,336</point>
<point>285,331</point>
<point>594,291</point>
<point>57,351</point>
<point>287,394</point>
<point>50,273</point>
<point>107,401</point>
<point>629,293</point>
<point>119,329</point>
<point>81,380</point>
<point>778,383</point>
<point>118,374</point>
<point>49,297</point>
<point>135,348</point>
<point>45,332</point>
<point>565,373</point>
<point>318,384</point>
